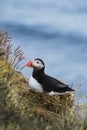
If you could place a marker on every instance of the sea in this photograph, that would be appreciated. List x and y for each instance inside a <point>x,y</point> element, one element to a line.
<point>53,30</point>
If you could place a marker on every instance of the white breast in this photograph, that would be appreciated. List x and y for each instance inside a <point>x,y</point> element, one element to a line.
<point>34,85</point>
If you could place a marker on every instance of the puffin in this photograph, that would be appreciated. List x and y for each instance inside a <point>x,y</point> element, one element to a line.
<point>43,83</point>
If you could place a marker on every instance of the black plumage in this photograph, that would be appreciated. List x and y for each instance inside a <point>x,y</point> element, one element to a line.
<point>49,83</point>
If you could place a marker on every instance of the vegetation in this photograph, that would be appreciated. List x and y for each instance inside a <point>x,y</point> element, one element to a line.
<point>22,109</point>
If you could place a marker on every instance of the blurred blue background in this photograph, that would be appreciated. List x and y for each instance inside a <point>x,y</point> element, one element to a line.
<point>53,30</point>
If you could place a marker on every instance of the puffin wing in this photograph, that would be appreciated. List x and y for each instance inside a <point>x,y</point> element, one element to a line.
<point>52,84</point>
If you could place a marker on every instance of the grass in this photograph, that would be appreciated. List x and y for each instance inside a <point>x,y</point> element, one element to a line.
<point>22,109</point>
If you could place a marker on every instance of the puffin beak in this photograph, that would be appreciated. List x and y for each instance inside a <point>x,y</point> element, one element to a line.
<point>29,64</point>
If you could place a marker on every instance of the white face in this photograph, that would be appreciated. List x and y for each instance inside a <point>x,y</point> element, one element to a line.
<point>37,64</point>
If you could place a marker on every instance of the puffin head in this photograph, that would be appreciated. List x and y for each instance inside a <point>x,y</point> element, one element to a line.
<point>36,64</point>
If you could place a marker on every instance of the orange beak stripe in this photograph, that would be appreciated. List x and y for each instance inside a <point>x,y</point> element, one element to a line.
<point>29,64</point>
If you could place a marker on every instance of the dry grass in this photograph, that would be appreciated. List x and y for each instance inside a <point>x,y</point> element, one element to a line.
<point>14,58</point>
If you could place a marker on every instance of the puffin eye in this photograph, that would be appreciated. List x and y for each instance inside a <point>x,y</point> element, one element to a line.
<point>37,62</point>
